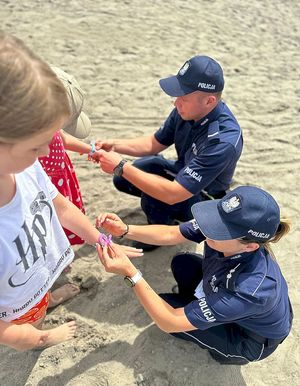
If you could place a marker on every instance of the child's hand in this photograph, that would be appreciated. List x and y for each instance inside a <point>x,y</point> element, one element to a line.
<point>115,260</point>
<point>111,223</point>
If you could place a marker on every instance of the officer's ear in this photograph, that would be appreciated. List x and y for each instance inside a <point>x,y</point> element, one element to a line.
<point>211,100</point>
<point>250,247</point>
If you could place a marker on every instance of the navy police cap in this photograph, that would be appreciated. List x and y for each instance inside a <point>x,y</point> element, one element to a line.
<point>200,73</point>
<point>245,212</point>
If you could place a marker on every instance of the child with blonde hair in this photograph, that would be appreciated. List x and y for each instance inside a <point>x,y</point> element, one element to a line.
<point>33,247</point>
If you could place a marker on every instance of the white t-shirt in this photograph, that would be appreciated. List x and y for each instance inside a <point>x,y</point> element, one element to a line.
<point>33,247</point>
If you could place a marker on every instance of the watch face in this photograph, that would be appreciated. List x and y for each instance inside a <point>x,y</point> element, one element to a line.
<point>128,281</point>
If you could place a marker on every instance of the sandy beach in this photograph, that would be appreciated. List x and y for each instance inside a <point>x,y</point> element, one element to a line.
<point>118,50</point>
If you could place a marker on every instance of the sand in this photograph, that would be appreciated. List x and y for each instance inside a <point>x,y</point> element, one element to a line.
<point>118,50</point>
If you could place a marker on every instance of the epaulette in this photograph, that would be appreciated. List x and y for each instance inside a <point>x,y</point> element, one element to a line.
<point>213,134</point>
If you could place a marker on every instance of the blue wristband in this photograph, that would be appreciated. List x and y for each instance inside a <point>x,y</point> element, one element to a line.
<point>93,147</point>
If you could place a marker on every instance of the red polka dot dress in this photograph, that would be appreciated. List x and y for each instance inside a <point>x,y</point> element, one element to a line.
<point>59,168</point>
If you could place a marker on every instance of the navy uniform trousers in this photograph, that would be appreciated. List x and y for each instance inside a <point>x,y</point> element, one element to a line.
<point>227,343</point>
<point>158,212</point>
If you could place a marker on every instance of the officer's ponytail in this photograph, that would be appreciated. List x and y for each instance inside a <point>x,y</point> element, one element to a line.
<point>283,228</point>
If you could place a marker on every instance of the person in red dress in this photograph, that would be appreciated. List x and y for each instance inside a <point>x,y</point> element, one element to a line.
<point>57,163</point>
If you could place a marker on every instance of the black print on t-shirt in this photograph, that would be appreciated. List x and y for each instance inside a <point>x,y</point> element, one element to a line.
<point>34,245</point>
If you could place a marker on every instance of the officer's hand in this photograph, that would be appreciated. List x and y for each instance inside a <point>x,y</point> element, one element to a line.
<point>108,160</point>
<point>131,252</point>
<point>111,223</point>
<point>107,145</point>
<point>94,157</point>
<point>115,260</point>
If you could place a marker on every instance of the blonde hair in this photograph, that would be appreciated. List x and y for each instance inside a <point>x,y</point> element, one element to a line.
<point>32,98</point>
<point>283,228</point>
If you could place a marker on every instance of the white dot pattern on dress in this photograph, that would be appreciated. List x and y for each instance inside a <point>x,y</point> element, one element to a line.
<point>59,168</point>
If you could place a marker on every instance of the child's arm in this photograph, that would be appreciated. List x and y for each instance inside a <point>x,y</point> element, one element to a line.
<point>22,337</point>
<point>151,234</point>
<point>73,144</point>
<point>73,219</point>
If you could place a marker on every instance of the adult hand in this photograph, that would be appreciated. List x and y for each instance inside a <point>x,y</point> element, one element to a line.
<point>108,160</point>
<point>115,260</point>
<point>111,223</point>
<point>94,157</point>
<point>131,251</point>
<point>107,145</point>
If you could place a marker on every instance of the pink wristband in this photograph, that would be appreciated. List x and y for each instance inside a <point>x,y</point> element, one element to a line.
<point>104,240</point>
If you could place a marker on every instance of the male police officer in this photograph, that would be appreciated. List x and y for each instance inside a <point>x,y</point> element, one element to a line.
<point>207,139</point>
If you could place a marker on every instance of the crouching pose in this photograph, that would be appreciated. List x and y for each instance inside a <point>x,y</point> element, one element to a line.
<point>233,300</point>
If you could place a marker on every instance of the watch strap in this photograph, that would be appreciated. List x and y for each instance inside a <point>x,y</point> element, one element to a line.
<point>134,279</point>
<point>118,170</point>
<point>125,233</point>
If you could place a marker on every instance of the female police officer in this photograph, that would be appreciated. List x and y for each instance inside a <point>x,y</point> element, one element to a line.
<point>233,300</point>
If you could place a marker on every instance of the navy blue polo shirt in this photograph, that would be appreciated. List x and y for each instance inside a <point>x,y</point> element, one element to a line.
<point>247,289</point>
<point>207,150</point>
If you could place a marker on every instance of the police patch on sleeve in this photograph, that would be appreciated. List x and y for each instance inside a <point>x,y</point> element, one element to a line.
<point>206,311</point>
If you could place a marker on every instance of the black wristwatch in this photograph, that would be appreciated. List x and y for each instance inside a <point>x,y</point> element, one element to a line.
<point>118,170</point>
<point>131,281</point>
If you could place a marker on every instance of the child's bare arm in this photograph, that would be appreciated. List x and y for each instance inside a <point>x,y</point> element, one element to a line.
<point>73,219</point>
<point>22,337</point>
<point>73,144</point>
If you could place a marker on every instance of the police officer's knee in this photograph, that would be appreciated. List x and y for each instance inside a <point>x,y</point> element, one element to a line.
<point>183,260</point>
<point>118,182</point>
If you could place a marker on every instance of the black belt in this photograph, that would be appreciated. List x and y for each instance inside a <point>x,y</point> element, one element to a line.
<point>266,341</point>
